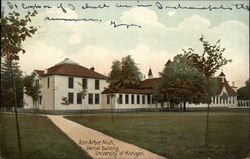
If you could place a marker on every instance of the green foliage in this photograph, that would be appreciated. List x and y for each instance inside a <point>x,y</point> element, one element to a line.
<point>7,99</point>
<point>14,30</point>
<point>211,59</point>
<point>244,92</point>
<point>180,82</point>
<point>124,74</point>
<point>208,63</point>
<point>31,89</point>
<point>213,86</point>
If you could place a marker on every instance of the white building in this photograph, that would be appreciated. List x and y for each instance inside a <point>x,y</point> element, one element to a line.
<point>62,80</point>
<point>142,97</point>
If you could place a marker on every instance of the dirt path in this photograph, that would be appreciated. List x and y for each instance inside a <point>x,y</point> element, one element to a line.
<point>99,145</point>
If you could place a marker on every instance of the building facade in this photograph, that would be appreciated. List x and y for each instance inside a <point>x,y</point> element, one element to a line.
<point>67,79</point>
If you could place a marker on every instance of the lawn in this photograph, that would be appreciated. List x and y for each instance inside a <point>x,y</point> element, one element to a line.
<point>177,135</point>
<point>40,138</point>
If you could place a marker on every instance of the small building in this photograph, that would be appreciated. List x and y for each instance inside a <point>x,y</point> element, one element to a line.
<point>67,79</point>
<point>226,95</point>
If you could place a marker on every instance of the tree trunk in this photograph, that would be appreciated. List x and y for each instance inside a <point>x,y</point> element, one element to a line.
<point>15,109</point>
<point>184,106</point>
<point>208,106</point>
<point>112,109</point>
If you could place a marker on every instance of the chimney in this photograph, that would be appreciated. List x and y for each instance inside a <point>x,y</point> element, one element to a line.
<point>92,68</point>
<point>45,71</point>
<point>232,84</point>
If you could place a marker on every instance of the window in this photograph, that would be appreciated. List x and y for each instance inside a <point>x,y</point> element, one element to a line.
<point>149,99</point>
<point>79,98</point>
<point>126,99</point>
<point>97,98</point>
<point>40,99</point>
<point>143,99</point>
<point>120,99</point>
<point>138,99</point>
<point>97,84</point>
<point>132,99</point>
<point>108,99</point>
<point>71,82</point>
<point>71,98</point>
<point>37,82</point>
<point>90,98</point>
<point>84,83</point>
<point>48,82</point>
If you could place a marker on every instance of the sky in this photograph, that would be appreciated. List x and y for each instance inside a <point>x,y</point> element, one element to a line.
<point>162,34</point>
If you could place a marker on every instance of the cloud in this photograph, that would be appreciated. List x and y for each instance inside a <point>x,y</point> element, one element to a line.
<point>141,16</point>
<point>99,44</point>
<point>39,56</point>
<point>171,13</point>
<point>75,39</point>
<point>147,57</point>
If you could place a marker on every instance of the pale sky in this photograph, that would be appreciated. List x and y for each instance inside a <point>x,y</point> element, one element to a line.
<point>162,35</point>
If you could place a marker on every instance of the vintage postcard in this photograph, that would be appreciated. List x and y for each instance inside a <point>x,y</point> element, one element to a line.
<point>125,79</point>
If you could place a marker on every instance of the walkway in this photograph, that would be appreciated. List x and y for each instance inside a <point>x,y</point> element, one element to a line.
<point>99,145</point>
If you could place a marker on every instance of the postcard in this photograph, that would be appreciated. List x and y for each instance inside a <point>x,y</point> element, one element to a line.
<point>125,79</point>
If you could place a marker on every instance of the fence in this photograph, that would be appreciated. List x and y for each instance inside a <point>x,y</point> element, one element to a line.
<point>243,103</point>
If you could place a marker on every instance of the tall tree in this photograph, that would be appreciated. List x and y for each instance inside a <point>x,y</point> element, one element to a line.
<point>32,89</point>
<point>209,62</point>
<point>114,77</point>
<point>7,99</point>
<point>124,74</point>
<point>181,83</point>
<point>14,31</point>
<point>244,92</point>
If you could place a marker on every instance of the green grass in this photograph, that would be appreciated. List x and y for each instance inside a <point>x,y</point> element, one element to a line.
<point>40,138</point>
<point>177,135</point>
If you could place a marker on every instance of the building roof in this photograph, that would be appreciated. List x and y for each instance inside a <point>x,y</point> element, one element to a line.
<point>168,63</point>
<point>222,74</point>
<point>39,72</point>
<point>73,70</point>
<point>128,91</point>
<point>149,83</point>
<point>228,88</point>
<point>67,61</point>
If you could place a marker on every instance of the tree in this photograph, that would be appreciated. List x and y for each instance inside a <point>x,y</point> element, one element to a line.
<point>208,63</point>
<point>83,93</point>
<point>244,92</point>
<point>6,86</point>
<point>65,102</point>
<point>114,77</point>
<point>124,74</point>
<point>180,83</point>
<point>14,31</point>
<point>31,89</point>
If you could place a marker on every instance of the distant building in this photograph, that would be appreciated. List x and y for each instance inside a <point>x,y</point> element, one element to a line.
<point>142,97</point>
